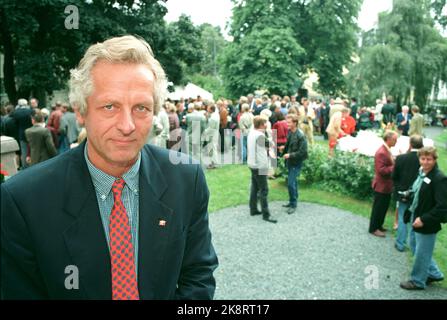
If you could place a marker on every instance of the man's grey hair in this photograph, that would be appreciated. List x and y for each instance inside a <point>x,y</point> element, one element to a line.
<point>125,49</point>
<point>389,134</point>
<point>22,102</point>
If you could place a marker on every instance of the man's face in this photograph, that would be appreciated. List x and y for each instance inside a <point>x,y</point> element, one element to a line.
<point>119,113</point>
<point>427,162</point>
<point>33,103</point>
<point>290,124</point>
<point>392,141</point>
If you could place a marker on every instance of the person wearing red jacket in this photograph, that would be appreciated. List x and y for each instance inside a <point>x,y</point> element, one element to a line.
<point>281,130</point>
<point>347,122</point>
<point>382,183</point>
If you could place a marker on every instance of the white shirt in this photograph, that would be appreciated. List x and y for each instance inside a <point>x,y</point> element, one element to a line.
<point>256,151</point>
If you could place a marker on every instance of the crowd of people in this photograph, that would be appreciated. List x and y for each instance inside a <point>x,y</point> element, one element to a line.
<point>420,189</point>
<point>207,130</point>
<point>41,134</point>
<point>260,128</point>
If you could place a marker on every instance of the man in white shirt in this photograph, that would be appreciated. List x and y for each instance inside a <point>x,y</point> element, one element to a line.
<point>258,163</point>
<point>211,134</point>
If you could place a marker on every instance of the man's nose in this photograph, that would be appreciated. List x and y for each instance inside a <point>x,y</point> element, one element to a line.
<point>126,123</point>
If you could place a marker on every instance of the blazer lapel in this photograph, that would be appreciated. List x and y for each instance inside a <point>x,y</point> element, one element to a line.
<point>85,238</point>
<point>154,226</point>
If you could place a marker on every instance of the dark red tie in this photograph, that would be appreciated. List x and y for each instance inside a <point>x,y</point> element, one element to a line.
<point>124,279</point>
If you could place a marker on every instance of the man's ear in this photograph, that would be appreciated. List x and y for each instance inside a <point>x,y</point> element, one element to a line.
<point>79,116</point>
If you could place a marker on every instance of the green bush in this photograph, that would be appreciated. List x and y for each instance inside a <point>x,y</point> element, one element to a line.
<point>316,165</point>
<point>345,172</point>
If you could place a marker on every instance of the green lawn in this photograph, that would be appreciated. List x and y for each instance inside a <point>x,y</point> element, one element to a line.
<point>229,186</point>
<point>442,160</point>
<point>441,243</point>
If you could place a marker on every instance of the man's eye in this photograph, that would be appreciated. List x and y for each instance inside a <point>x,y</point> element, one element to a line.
<point>142,108</point>
<point>108,107</point>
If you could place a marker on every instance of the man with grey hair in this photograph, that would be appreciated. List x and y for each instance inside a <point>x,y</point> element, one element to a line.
<point>195,124</point>
<point>22,116</point>
<point>403,121</point>
<point>382,183</point>
<point>116,218</point>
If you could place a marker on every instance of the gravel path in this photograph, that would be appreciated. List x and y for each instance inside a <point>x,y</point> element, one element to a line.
<point>317,253</point>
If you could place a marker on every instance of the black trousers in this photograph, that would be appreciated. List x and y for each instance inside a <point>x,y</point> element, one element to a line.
<point>259,188</point>
<point>379,209</point>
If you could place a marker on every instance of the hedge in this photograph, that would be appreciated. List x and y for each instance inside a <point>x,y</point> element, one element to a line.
<point>346,172</point>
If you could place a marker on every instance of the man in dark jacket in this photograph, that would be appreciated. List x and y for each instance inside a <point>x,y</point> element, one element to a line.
<point>389,113</point>
<point>116,218</point>
<point>405,172</point>
<point>40,141</point>
<point>22,115</point>
<point>295,152</point>
<point>428,210</point>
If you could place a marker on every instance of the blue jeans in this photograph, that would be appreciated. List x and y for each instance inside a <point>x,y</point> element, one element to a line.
<point>402,228</point>
<point>424,266</point>
<point>292,183</point>
<point>23,154</point>
<point>244,148</point>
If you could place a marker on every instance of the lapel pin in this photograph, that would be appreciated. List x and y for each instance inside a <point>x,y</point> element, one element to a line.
<point>162,223</point>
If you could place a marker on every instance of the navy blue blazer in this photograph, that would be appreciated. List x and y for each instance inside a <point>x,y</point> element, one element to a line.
<point>50,220</point>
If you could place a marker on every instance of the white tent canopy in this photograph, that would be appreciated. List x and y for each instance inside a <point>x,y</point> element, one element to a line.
<point>190,91</point>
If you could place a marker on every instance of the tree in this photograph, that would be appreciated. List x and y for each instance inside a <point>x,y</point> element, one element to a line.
<point>268,59</point>
<point>210,83</point>
<point>183,50</point>
<point>213,44</point>
<point>39,51</point>
<point>208,76</point>
<point>383,69</point>
<point>439,9</point>
<point>406,53</point>
<point>325,29</point>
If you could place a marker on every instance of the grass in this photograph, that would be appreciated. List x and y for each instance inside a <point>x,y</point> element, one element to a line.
<point>442,142</point>
<point>440,254</point>
<point>230,186</point>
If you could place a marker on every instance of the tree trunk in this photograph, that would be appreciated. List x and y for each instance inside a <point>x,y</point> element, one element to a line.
<point>8,65</point>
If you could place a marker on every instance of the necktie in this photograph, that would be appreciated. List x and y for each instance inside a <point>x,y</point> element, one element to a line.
<point>124,280</point>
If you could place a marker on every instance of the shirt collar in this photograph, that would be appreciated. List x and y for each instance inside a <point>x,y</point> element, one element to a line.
<point>421,172</point>
<point>103,182</point>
